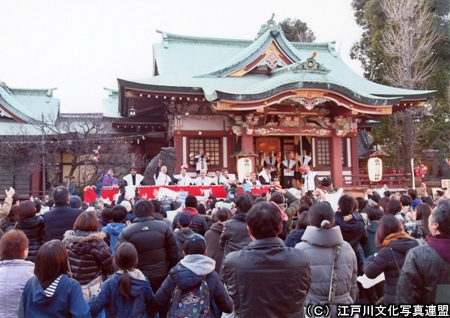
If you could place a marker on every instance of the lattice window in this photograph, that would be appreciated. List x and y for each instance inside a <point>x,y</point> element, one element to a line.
<point>211,147</point>
<point>323,152</point>
<point>344,152</point>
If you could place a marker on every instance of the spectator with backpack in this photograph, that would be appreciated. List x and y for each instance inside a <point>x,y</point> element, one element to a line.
<point>192,285</point>
<point>128,292</point>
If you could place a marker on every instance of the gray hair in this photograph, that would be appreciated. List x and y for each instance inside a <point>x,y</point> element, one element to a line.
<point>441,216</point>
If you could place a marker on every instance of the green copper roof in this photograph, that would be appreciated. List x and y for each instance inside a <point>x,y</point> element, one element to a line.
<point>200,65</point>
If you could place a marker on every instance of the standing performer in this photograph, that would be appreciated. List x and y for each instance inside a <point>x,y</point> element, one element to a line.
<point>134,178</point>
<point>264,176</point>
<point>183,178</point>
<point>272,161</point>
<point>163,178</point>
<point>288,169</point>
<point>311,180</point>
<point>304,159</point>
<point>201,161</point>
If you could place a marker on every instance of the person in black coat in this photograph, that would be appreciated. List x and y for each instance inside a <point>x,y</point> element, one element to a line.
<point>353,231</point>
<point>198,224</point>
<point>394,244</point>
<point>155,243</point>
<point>33,227</point>
<point>62,217</point>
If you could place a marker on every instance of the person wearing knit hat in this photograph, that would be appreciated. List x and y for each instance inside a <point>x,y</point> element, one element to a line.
<point>130,215</point>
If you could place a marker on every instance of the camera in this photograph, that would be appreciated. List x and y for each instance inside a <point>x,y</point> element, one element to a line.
<point>272,190</point>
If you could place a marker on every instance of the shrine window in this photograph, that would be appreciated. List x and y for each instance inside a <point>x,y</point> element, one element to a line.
<point>344,152</point>
<point>211,147</point>
<point>323,151</point>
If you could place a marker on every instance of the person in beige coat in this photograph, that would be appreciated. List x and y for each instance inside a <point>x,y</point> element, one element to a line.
<point>319,242</point>
<point>6,207</point>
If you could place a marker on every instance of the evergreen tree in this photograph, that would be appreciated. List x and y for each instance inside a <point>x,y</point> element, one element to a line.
<point>297,31</point>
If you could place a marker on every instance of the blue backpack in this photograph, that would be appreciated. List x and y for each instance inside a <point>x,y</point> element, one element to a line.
<point>192,302</point>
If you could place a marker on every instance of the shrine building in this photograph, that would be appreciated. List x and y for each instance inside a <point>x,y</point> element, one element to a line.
<point>227,96</point>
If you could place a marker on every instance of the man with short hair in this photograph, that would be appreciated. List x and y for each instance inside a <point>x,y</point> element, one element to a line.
<point>62,217</point>
<point>311,180</point>
<point>425,275</point>
<point>183,178</point>
<point>265,176</point>
<point>133,178</point>
<point>155,243</point>
<point>203,179</point>
<point>288,170</point>
<point>225,179</point>
<point>266,278</point>
<point>198,224</point>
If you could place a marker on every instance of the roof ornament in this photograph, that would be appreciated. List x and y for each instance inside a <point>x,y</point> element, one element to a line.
<point>270,25</point>
<point>310,65</point>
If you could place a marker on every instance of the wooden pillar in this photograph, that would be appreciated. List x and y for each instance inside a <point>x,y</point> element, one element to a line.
<point>336,161</point>
<point>36,184</point>
<point>354,154</point>
<point>180,145</point>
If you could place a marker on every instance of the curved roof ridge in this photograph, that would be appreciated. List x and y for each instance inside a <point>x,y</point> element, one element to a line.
<point>188,38</point>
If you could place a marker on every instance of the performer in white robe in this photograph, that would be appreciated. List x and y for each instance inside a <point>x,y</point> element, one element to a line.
<point>183,178</point>
<point>264,176</point>
<point>163,178</point>
<point>203,179</point>
<point>310,180</point>
<point>133,178</point>
<point>253,181</point>
<point>288,169</point>
<point>201,161</point>
<point>304,159</point>
<point>271,160</point>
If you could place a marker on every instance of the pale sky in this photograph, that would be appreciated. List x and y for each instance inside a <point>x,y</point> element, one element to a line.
<point>82,46</point>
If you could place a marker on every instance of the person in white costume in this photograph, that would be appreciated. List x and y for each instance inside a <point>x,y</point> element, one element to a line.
<point>183,178</point>
<point>203,179</point>
<point>201,161</point>
<point>133,178</point>
<point>253,181</point>
<point>310,179</point>
<point>163,178</point>
<point>304,159</point>
<point>264,176</point>
<point>271,159</point>
<point>288,170</point>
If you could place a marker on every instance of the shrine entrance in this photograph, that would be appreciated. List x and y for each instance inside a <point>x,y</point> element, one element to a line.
<point>279,147</point>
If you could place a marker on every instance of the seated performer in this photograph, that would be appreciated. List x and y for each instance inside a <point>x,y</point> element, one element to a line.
<point>272,161</point>
<point>264,176</point>
<point>163,178</point>
<point>253,181</point>
<point>134,178</point>
<point>215,179</point>
<point>203,179</point>
<point>225,178</point>
<point>183,179</point>
<point>288,169</point>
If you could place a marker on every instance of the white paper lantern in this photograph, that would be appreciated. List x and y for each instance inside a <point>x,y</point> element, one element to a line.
<point>245,168</point>
<point>375,167</point>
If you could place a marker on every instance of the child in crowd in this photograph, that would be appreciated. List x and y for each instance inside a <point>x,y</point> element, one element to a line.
<point>184,219</point>
<point>118,214</point>
<point>128,292</point>
<point>191,272</point>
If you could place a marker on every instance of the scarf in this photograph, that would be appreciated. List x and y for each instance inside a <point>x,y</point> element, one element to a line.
<point>395,237</point>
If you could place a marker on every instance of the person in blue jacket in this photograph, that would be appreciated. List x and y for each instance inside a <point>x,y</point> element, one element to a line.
<point>113,230</point>
<point>190,272</point>
<point>50,293</point>
<point>128,292</point>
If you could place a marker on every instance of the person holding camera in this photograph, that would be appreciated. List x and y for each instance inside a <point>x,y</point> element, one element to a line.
<point>201,161</point>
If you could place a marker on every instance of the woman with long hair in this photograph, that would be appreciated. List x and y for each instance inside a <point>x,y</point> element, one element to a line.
<point>128,292</point>
<point>393,243</point>
<point>14,271</point>
<point>333,261</point>
<point>295,236</point>
<point>32,225</point>
<point>50,293</point>
<point>418,228</point>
